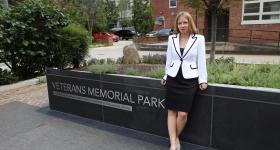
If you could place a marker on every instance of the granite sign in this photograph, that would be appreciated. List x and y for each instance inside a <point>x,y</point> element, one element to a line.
<point>222,117</point>
<point>113,98</point>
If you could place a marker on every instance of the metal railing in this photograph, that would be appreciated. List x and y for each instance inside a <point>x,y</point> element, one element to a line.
<point>245,36</point>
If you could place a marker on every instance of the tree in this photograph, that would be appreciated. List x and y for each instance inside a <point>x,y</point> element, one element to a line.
<point>15,2</point>
<point>93,15</point>
<point>212,7</point>
<point>123,7</point>
<point>73,10</point>
<point>125,22</point>
<point>88,12</point>
<point>100,21</point>
<point>142,16</point>
<point>112,13</point>
<point>5,4</point>
<point>29,37</point>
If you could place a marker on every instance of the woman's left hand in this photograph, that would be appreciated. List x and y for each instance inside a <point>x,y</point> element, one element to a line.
<point>203,86</point>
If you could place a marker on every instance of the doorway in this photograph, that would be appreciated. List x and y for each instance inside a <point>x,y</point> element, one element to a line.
<point>222,26</point>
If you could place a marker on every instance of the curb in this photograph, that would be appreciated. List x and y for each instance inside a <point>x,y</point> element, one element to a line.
<point>24,83</point>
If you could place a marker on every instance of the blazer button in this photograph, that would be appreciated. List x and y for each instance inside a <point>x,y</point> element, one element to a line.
<point>181,59</point>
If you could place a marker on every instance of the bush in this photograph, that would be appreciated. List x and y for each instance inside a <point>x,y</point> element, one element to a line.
<point>6,77</point>
<point>105,68</point>
<point>110,61</point>
<point>29,37</point>
<point>74,41</point>
<point>226,71</point>
<point>222,70</point>
<point>157,73</point>
<point>131,71</point>
<point>154,59</point>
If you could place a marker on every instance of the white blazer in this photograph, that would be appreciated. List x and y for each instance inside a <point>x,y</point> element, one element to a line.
<point>193,60</point>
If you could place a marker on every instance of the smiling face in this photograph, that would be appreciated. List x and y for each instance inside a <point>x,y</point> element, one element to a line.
<point>183,24</point>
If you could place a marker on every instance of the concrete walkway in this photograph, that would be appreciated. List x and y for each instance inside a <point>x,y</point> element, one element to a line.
<point>116,51</point>
<point>27,123</point>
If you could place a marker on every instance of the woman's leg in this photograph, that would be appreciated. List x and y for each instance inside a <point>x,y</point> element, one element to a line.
<point>171,122</point>
<point>181,123</point>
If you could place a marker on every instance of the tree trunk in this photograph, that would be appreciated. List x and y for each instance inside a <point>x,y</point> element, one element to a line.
<point>5,4</point>
<point>213,34</point>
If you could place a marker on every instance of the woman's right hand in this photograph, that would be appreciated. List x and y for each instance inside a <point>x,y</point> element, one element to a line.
<point>163,82</point>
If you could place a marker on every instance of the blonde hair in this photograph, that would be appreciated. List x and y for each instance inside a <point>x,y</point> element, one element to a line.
<point>192,27</point>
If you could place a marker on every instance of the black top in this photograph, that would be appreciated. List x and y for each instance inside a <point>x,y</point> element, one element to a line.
<point>182,50</point>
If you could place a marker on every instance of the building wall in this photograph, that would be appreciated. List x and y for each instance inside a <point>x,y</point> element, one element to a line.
<point>124,14</point>
<point>161,8</point>
<point>265,33</point>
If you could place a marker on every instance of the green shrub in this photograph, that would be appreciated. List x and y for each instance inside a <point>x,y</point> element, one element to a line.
<point>157,73</point>
<point>29,37</point>
<point>131,71</point>
<point>223,70</point>
<point>154,59</point>
<point>105,68</point>
<point>2,57</point>
<point>119,60</point>
<point>6,77</point>
<point>110,61</point>
<point>74,44</point>
<point>226,71</point>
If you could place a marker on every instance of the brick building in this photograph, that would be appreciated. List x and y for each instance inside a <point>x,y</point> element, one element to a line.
<point>257,19</point>
<point>245,21</point>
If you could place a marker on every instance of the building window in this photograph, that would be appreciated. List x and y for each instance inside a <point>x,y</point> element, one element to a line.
<point>260,11</point>
<point>172,3</point>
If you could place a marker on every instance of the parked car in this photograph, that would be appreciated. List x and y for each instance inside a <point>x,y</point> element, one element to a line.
<point>125,34</point>
<point>115,37</point>
<point>165,32</point>
<point>152,34</point>
<point>105,35</point>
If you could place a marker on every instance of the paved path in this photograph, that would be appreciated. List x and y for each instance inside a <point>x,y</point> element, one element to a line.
<point>35,95</point>
<point>27,123</point>
<point>116,51</point>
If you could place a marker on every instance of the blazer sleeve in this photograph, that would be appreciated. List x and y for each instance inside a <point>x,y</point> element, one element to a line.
<point>168,57</point>
<point>202,70</point>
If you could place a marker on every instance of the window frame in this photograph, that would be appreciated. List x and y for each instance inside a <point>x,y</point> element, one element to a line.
<point>260,13</point>
<point>170,4</point>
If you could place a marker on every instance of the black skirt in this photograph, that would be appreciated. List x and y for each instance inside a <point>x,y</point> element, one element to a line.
<point>180,92</point>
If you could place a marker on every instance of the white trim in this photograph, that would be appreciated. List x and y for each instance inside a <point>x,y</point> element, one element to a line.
<point>261,22</point>
<point>172,6</point>
<point>260,14</point>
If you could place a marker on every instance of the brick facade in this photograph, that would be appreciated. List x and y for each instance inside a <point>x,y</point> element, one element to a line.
<point>265,33</point>
<point>161,8</point>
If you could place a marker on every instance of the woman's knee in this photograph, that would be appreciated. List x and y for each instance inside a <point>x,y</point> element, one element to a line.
<point>172,112</point>
<point>183,115</point>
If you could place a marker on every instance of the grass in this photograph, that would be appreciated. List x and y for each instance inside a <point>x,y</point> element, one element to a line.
<point>103,68</point>
<point>223,70</point>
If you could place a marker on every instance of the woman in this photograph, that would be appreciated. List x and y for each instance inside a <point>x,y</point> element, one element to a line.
<point>185,72</point>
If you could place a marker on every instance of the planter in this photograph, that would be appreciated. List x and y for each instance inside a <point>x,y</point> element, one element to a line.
<point>107,41</point>
<point>223,117</point>
<point>146,40</point>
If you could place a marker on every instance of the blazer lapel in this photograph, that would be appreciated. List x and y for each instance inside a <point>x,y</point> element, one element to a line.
<point>191,41</point>
<point>176,44</point>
